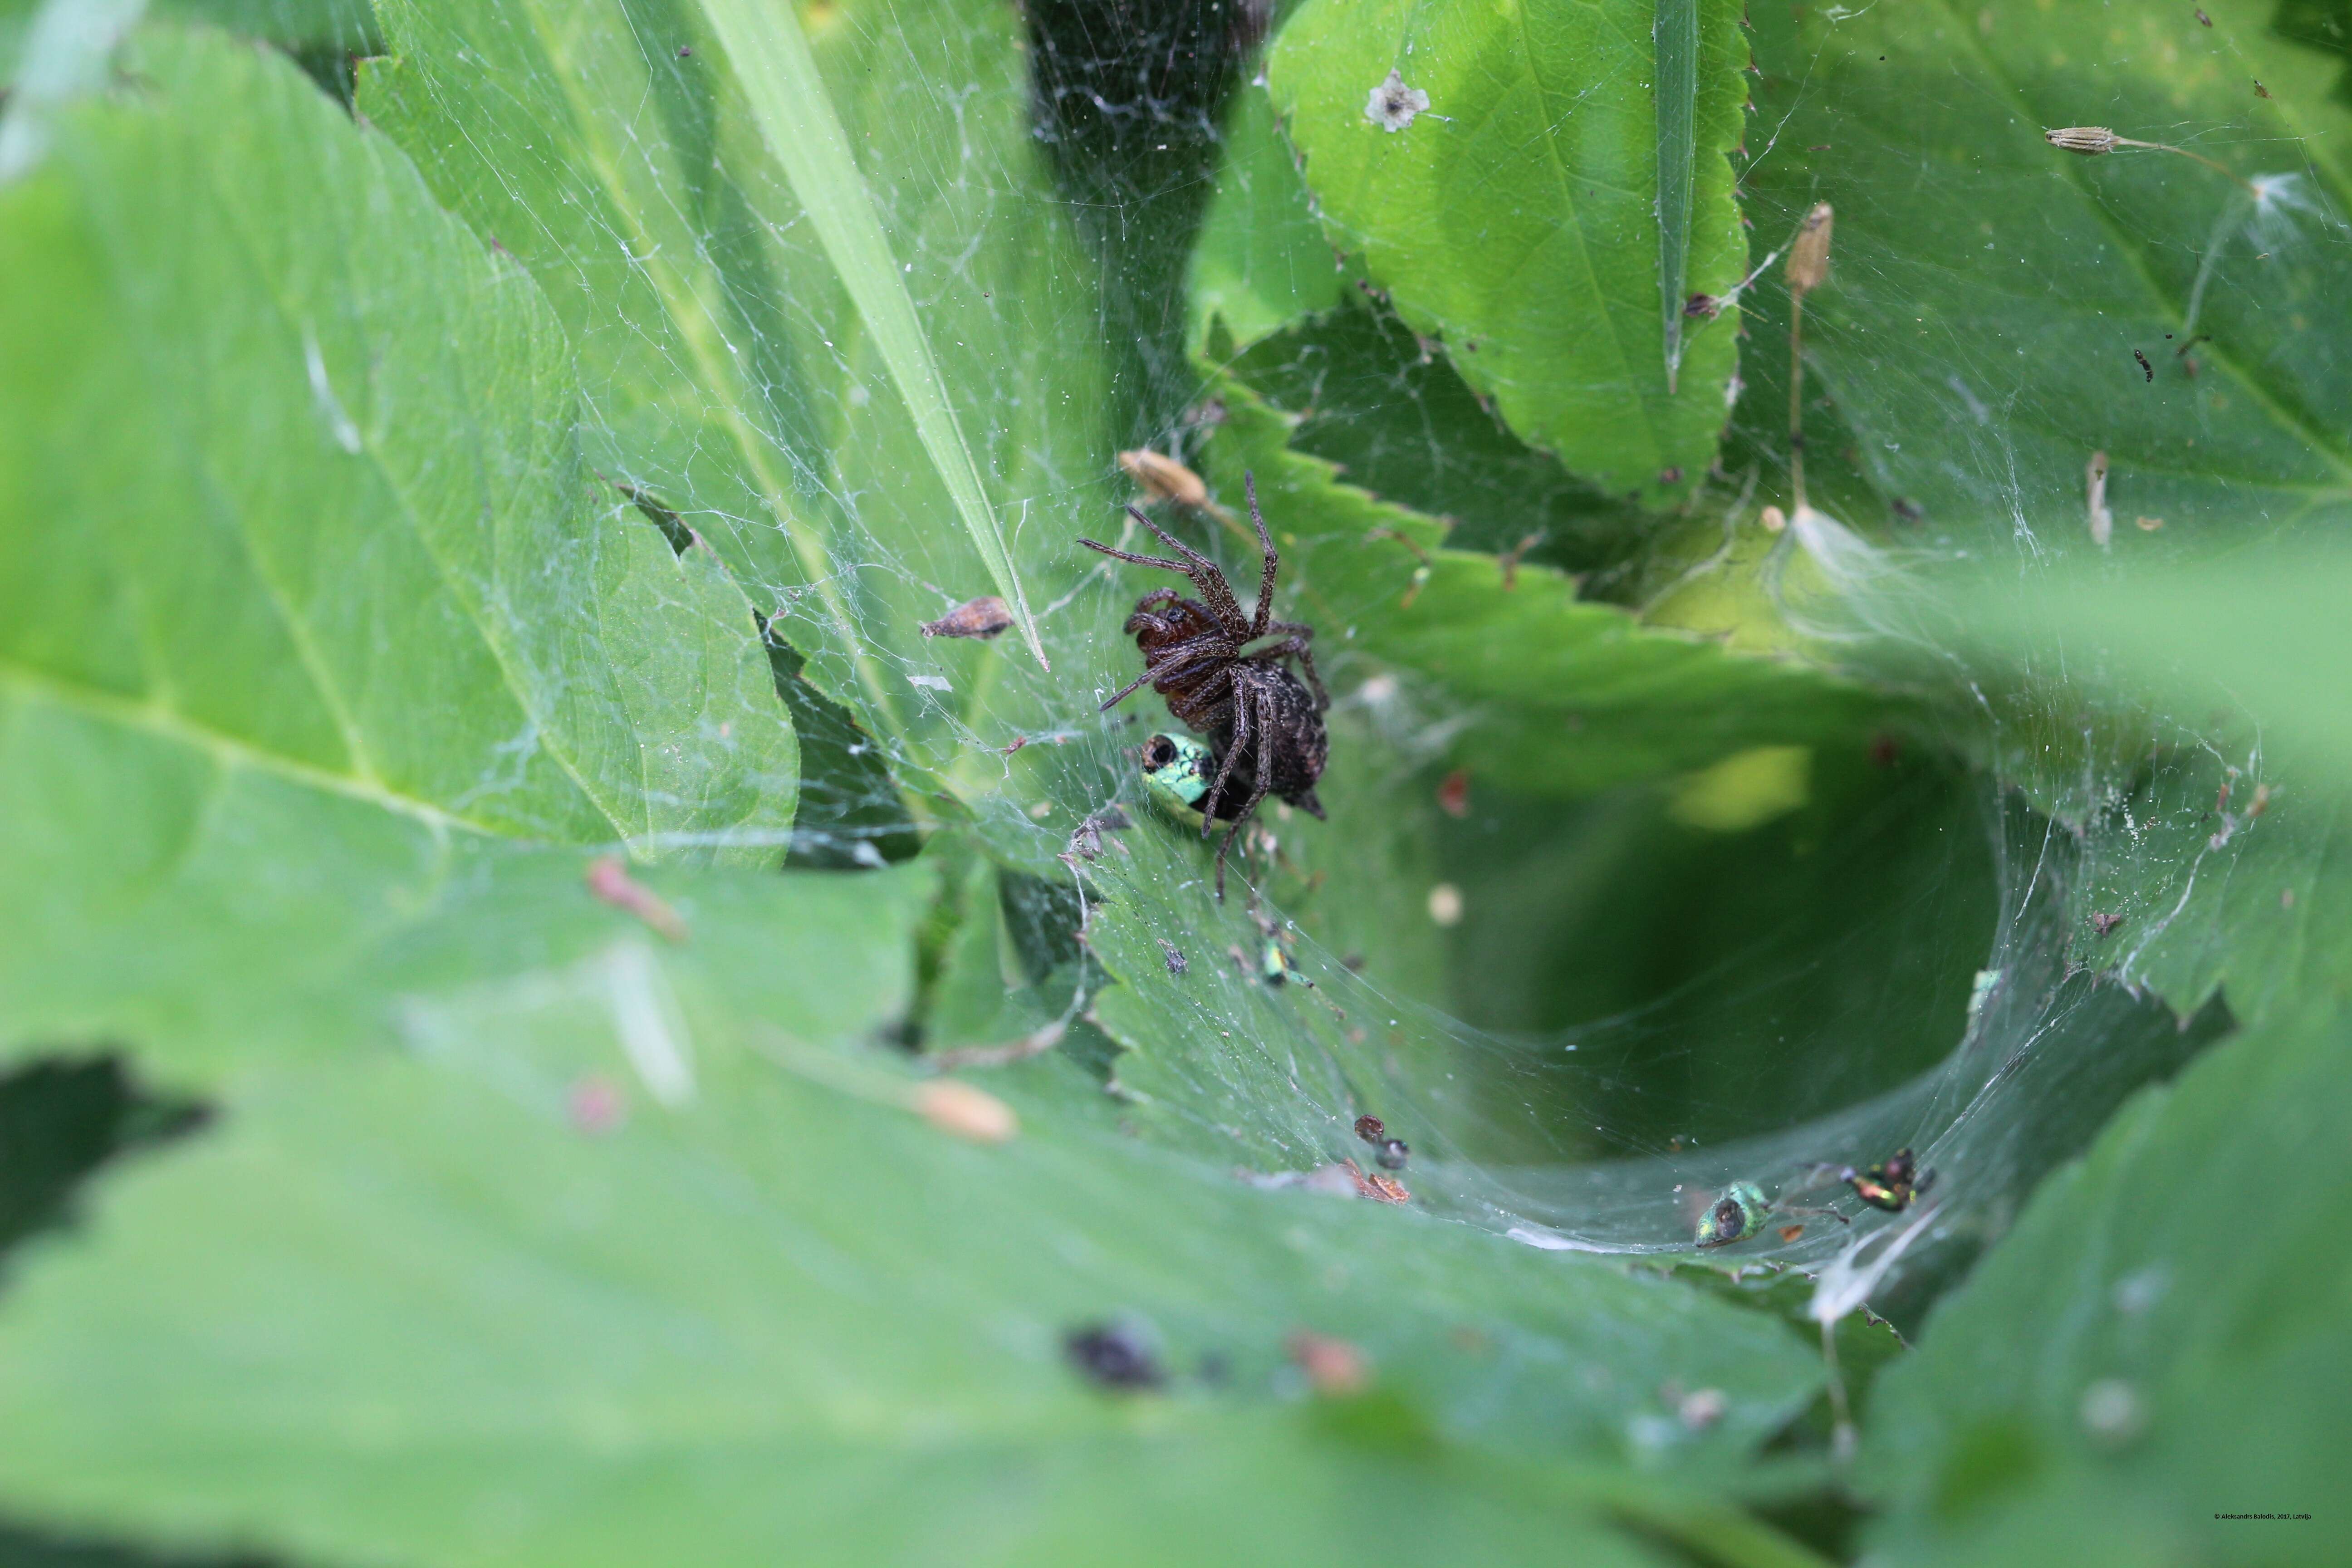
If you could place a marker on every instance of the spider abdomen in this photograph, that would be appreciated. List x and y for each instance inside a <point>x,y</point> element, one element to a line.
<point>1301,746</point>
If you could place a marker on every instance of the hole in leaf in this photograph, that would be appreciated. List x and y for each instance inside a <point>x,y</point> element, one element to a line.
<point>61,1119</point>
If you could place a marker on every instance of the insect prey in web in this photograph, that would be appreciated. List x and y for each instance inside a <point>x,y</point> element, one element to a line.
<point>2097,142</point>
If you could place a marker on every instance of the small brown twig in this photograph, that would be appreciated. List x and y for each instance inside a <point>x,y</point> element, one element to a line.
<point>1809,268</point>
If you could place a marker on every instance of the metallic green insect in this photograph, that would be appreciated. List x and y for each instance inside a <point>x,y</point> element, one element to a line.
<point>1177,772</point>
<point>1740,1210</point>
<point>1738,1213</point>
<point>1276,967</point>
<point>1892,1186</point>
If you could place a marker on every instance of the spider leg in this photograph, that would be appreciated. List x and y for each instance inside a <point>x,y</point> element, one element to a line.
<point>1124,692</point>
<point>1225,768</point>
<point>1322,697</point>
<point>1257,791</point>
<point>1298,637</point>
<point>1262,617</point>
<point>1199,560</point>
<point>1224,608</point>
<point>1213,644</point>
<point>1170,659</point>
<point>1138,559</point>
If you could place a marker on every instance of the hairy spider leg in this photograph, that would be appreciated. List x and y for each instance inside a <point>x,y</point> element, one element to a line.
<point>1206,576</point>
<point>1209,646</point>
<point>1119,554</point>
<point>1295,646</point>
<point>1222,609</point>
<point>1241,705</point>
<point>1225,765</point>
<point>1261,622</point>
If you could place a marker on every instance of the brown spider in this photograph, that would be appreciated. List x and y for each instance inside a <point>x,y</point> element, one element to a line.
<point>1194,656</point>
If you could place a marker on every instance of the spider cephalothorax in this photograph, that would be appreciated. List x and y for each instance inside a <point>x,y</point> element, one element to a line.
<point>1196,654</point>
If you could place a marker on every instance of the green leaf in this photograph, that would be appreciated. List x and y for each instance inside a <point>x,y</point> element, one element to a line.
<point>2216,854</point>
<point>524,1234</point>
<point>1518,219</point>
<point>2184,1358</point>
<point>513,1339</point>
<point>309,480</point>
<point>1261,261</point>
<point>1400,423</point>
<point>1541,701</point>
<point>1988,291</point>
<point>2186,1341</point>
<point>308,25</point>
<point>1562,697</point>
<point>727,371</point>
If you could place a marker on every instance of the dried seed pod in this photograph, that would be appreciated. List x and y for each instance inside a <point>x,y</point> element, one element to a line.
<point>1809,258</point>
<point>953,1106</point>
<point>981,617</point>
<point>1164,478</point>
<point>2088,139</point>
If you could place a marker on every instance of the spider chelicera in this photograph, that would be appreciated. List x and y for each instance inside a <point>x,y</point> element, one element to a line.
<point>1196,655</point>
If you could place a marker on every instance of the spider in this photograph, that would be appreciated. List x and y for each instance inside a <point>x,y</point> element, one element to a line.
<point>1194,656</point>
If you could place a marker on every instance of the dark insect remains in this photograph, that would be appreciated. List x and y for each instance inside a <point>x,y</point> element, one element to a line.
<point>1114,1355</point>
<point>1890,1186</point>
<point>1196,654</point>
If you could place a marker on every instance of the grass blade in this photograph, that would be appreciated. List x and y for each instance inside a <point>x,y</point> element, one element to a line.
<point>772,61</point>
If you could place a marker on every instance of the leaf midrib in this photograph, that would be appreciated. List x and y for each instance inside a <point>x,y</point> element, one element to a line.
<point>549,734</point>
<point>231,752</point>
<point>1576,227</point>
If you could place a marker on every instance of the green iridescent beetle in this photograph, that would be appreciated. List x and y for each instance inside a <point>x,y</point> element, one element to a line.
<point>1739,1213</point>
<point>1740,1210</point>
<point>1276,966</point>
<point>1177,772</point>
